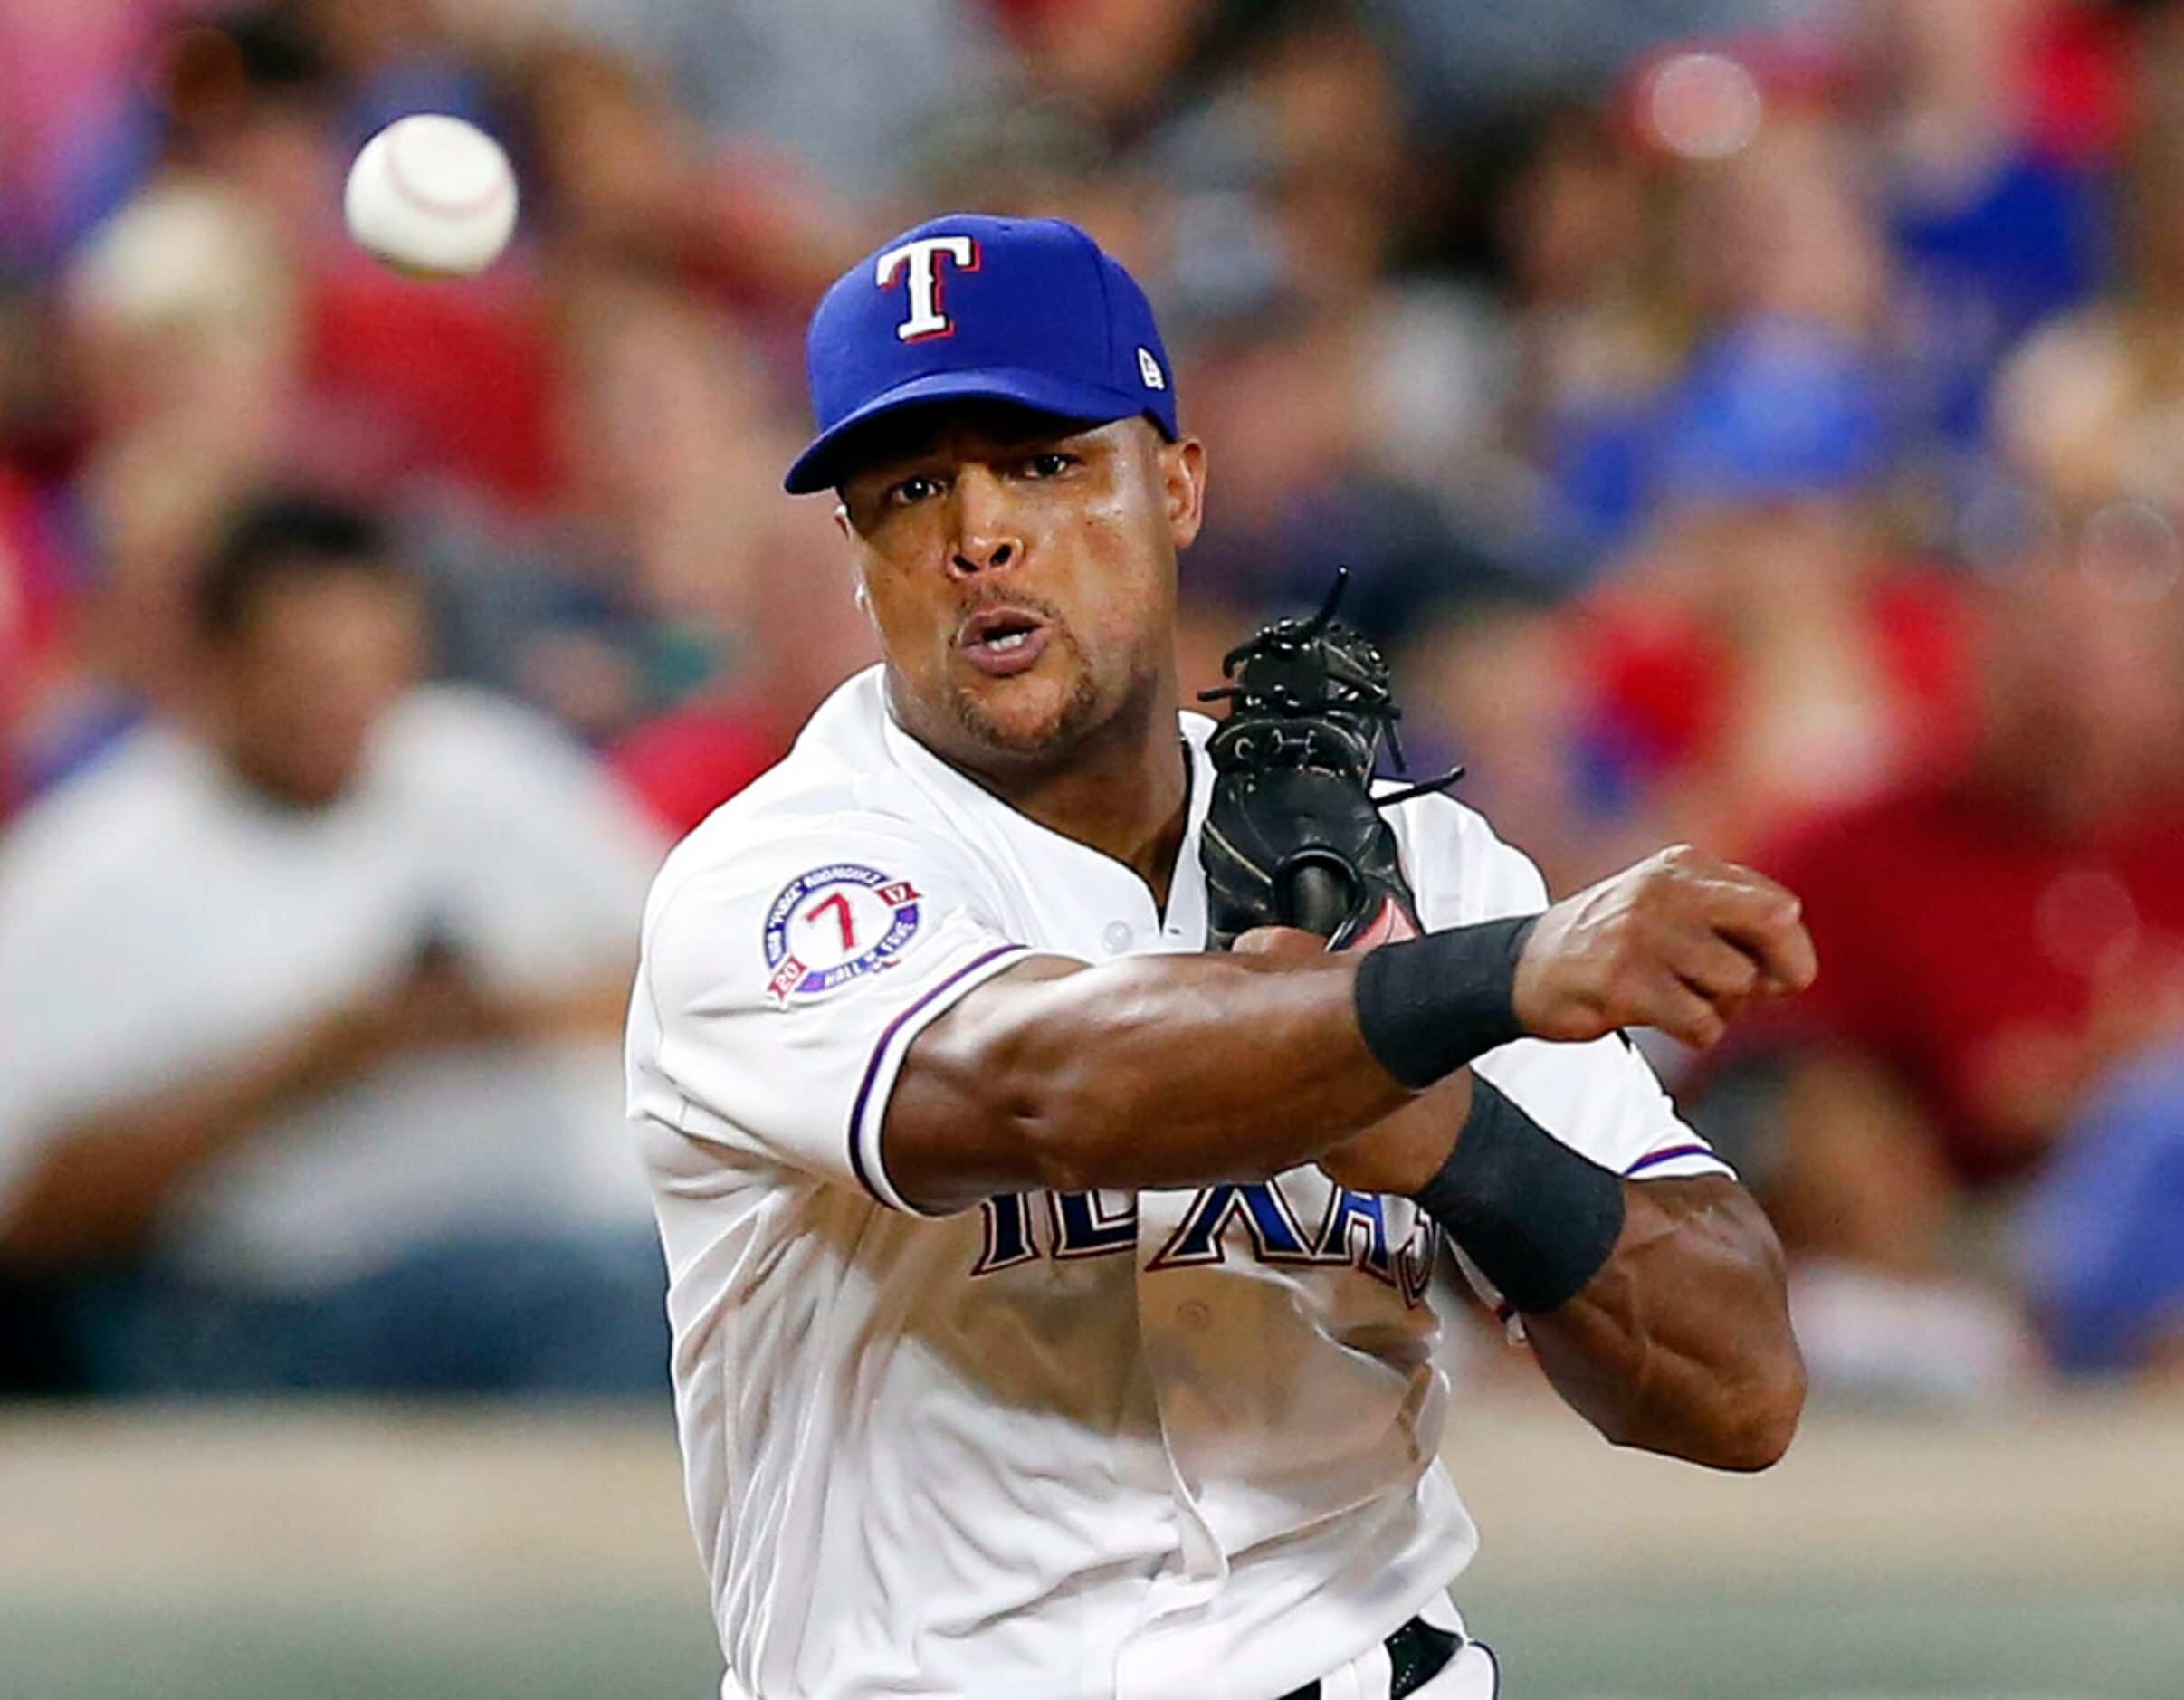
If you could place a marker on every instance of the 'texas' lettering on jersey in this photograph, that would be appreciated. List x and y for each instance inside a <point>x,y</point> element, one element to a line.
<point>1353,1231</point>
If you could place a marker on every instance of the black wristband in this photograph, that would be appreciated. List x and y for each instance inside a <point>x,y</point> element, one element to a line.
<point>1427,1006</point>
<point>1537,1218</point>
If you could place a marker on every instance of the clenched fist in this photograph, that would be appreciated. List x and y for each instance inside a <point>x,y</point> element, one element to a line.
<point>1681,943</point>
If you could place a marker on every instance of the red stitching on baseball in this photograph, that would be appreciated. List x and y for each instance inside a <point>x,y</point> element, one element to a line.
<point>439,206</point>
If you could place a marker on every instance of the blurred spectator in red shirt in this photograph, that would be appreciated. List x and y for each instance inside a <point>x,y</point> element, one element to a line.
<point>1993,936</point>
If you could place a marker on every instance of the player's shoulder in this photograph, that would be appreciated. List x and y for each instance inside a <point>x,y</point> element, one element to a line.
<point>1462,869</point>
<point>837,772</point>
<point>836,795</point>
<point>1438,823</point>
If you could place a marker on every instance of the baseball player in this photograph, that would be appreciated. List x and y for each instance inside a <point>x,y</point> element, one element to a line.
<point>1053,1296</point>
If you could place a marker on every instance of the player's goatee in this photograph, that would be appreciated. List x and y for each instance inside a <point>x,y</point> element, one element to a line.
<point>1078,715</point>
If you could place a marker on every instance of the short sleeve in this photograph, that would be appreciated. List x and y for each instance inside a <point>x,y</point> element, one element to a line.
<point>782,987</point>
<point>1602,1099</point>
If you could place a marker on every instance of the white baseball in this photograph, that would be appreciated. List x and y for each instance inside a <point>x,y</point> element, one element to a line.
<point>433,197</point>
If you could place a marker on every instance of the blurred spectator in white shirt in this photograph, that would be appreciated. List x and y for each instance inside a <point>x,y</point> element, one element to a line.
<point>308,1068</point>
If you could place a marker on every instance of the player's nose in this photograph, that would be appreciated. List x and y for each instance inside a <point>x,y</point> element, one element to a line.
<point>987,535</point>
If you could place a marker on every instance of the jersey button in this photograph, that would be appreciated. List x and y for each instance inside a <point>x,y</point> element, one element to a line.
<point>1194,1314</point>
<point>1118,937</point>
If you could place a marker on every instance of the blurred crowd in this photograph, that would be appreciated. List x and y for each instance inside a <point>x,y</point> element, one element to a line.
<point>1760,423</point>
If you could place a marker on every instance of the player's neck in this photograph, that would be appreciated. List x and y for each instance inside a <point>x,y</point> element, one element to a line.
<point>1133,807</point>
<point>1124,788</point>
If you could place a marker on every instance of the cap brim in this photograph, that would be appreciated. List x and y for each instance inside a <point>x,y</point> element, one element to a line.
<point>820,467</point>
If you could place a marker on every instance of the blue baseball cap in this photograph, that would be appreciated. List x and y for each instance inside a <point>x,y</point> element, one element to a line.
<point>971,308</point>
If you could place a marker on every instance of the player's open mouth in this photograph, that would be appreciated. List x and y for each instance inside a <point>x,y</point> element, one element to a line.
<point>1003,642</point>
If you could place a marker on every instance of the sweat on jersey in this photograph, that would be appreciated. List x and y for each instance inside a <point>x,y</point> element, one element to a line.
<point>1170,1445</point>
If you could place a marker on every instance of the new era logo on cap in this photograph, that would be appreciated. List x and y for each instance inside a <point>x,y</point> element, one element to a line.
<point>976,308</point>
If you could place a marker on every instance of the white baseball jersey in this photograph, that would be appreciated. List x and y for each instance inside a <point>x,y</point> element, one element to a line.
<point>1174,1446</point>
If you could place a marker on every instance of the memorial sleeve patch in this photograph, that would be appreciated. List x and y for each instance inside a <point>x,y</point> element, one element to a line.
<point>832,927</point>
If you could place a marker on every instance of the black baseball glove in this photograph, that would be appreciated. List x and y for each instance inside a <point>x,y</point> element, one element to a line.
<point>1293,834</point>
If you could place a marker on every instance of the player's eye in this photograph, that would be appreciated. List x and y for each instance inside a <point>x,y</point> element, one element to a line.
<point>918,487</point>
<point>1049,463</point>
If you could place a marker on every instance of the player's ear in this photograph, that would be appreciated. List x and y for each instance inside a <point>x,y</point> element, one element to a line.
<point>1183,488</point>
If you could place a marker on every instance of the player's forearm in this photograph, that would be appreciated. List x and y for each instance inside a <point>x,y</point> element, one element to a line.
<point>1171,1071</point>
<point>1681,1344</point>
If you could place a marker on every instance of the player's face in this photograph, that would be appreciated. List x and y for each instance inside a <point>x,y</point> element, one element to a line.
<point>1021,573</point>
<point>298,691</point>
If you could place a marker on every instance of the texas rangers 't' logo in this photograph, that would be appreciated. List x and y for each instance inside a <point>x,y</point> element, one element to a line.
<point>920,261</point>
<point>834,925</point>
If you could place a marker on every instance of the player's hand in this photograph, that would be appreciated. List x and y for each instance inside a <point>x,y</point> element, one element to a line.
<point>1280,941</point>
<point>1681,943</point>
